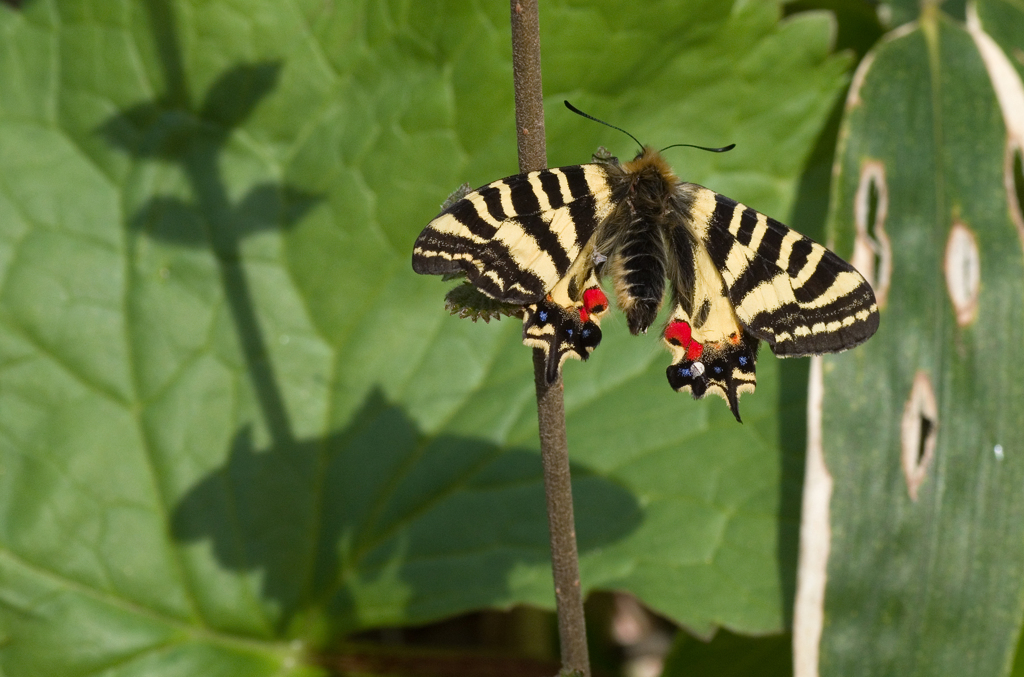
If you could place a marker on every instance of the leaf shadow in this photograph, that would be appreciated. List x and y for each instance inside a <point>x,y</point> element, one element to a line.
<point>425,527</point>
<point>373,507</point>
<point>170,129</point>
<point>173,133</point>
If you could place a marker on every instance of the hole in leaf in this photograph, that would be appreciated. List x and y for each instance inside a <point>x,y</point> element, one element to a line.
<point>872,205</point>
<point>872,252</point>
<point>963,272</point>
<point>918,432</point>
<point>1015,184</point>
<point>1018,177</point>
<point>926,430</point>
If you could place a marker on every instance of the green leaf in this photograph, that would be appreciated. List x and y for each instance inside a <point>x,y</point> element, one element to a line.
<point>926,513</point>
<point>1004,20</point>
<point>898,12</point>
<point>234,425</point>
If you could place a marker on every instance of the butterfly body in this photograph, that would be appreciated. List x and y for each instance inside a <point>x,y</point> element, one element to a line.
<point>735,277</point>
<point>635,235</point>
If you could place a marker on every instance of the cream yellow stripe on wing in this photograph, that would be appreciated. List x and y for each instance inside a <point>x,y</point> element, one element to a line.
<point>786,248</point>
<point>768,295</point>
<point>813,259</point>
<point>565,229</point>
<point>737,215</point>
<point>563,184</point>
<point>597,182</point>
<point>701,210</point>
<point>498,280</point>
<point>845,283</point>
<point>546,330</point>
<point>442,254</point>
<point>597,179</point>
<point>449,225</point>
<point>514,287</point>
<point>721,319</point>
<point>525,251</point>
<point>759,230</point>
<point>736,263</point>
<point>480,206</point>
<point>505,194</point>
<point>823,328</point>
<point>538,190</point>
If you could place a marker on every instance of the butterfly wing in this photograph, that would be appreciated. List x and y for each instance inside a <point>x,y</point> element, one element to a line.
<point>785,288</point>
<point>517,237</point>
<point>520,240</point>
<point>740,277</point>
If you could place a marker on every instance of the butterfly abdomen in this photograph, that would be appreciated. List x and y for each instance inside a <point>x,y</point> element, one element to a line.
<point>636,265</point>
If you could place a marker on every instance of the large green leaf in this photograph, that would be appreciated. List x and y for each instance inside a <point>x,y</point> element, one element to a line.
<point>927,514</point>
<point>234,425</point>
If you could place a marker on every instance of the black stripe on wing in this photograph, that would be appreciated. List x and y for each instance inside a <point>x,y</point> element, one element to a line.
<point>718,247</point>
<point>748,221</point>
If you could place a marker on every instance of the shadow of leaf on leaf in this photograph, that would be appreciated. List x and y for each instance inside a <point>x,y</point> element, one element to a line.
<point>376,524</point>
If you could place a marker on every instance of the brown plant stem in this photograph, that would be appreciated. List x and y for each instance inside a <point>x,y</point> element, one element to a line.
<point>526,78</point>
<point>550,405</point>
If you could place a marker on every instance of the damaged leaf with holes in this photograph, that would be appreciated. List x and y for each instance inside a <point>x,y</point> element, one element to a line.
<point>923,428</point>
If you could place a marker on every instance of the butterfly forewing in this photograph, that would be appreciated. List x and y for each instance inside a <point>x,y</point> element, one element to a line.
<point>785,288</point>
<point>515,238</point>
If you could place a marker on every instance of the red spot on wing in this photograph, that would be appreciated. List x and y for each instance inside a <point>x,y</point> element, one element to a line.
<point>678,333</point>
<point>594,300</point>
<point>584,315</point>
<point>694,350</point>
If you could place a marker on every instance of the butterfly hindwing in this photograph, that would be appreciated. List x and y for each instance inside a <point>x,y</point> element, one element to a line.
<point>566,324</point>
<point>711,351</point>
<point>560,332</point>
<point>725,368</point>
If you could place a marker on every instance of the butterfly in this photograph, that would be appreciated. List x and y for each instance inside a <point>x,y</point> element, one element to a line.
<point>544,240</point>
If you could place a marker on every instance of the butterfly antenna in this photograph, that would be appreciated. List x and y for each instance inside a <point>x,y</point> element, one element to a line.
<point>576,110</point>
<point>690,145</point>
